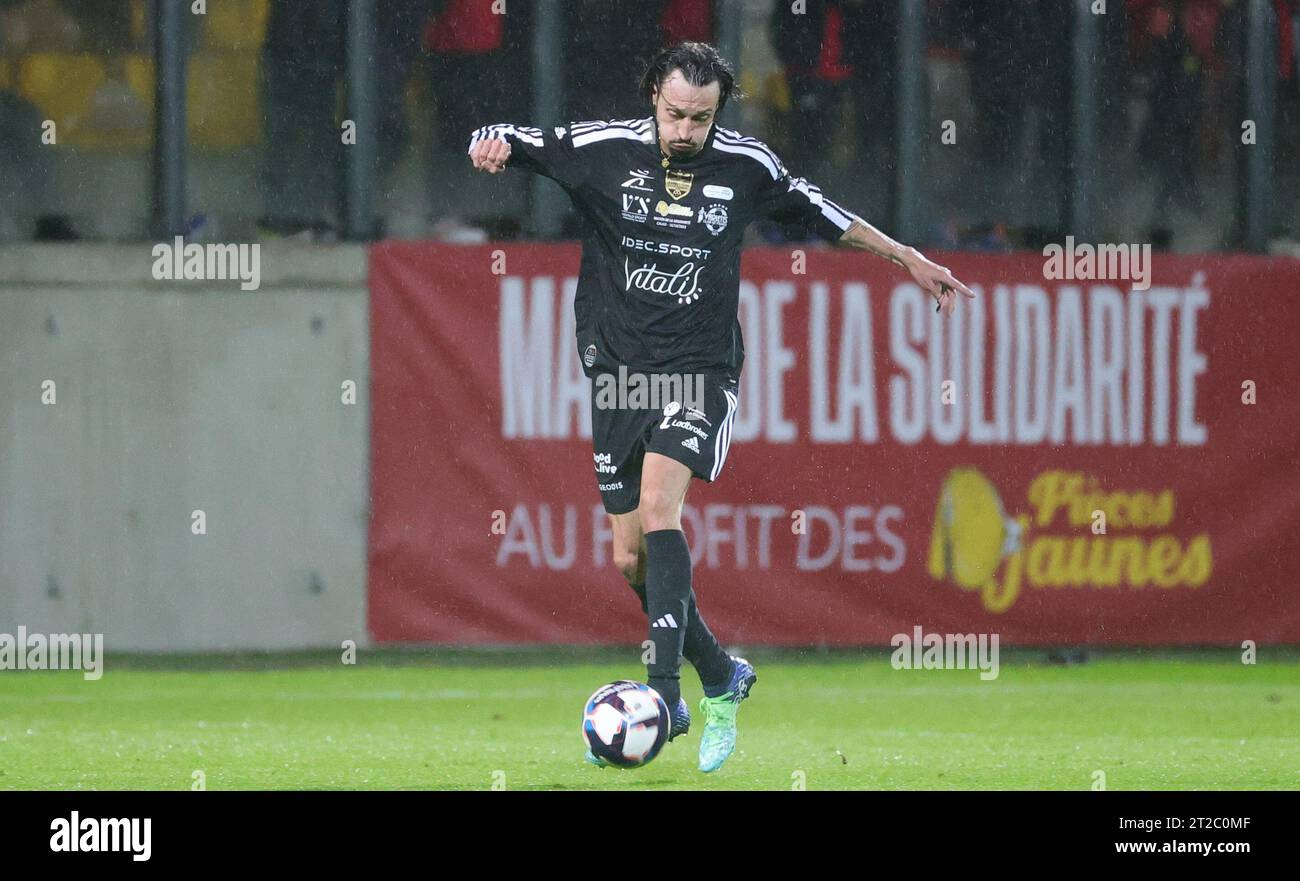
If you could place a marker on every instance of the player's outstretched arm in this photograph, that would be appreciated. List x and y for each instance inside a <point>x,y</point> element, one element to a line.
<point>548,152</point>
<point>490,155</point>
<point>936,279</point>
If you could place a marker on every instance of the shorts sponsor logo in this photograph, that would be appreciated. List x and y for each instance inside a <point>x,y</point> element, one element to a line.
<point>691,444</point>
<point>604,464</point>
<point>683,283</point>
<point>693,429</point>
<point>712,191</point>
<point>589,356</point>
<point>609,487</point>
<point>714,218</point>
<point>698,416</point>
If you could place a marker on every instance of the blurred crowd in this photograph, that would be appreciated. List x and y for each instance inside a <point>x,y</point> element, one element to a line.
<point>1170,97</point>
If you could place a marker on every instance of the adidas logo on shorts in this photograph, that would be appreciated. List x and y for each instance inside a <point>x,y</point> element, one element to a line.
<point>666,621</point>
<point>691,444</point>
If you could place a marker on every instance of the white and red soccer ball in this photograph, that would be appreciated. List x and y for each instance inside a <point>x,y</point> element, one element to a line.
<point>625,723</point>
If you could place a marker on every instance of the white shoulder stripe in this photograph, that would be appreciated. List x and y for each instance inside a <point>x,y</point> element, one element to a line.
<point>579,128</point>
<point>613,131</point>
<point>531,136</point>
<point>738,139</point>
<point>757,155</point>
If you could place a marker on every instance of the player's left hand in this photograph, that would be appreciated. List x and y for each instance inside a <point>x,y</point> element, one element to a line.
<point>938,281</point>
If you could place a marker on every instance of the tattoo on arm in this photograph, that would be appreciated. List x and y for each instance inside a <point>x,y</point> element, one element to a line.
<point>858,235</point>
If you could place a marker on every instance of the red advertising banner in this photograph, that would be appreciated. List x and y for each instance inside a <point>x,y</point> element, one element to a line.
<point>1066,460</point>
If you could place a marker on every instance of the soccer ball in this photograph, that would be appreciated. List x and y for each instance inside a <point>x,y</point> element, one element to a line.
<point>625,723</point>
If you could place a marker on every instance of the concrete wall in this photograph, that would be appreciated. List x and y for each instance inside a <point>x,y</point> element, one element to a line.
<point>175,397</point>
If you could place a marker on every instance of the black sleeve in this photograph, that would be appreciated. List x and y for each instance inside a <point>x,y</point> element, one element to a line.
<point>793,200</point>
<point>548,152</point>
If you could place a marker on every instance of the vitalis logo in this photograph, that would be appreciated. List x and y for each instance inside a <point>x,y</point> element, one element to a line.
<point>684,284</point>
<point>974,539</point>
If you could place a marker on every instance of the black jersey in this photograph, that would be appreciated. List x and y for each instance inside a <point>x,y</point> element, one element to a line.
<point>659,285</point>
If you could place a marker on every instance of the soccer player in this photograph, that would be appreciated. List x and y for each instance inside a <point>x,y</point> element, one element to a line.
<point>665,202</point>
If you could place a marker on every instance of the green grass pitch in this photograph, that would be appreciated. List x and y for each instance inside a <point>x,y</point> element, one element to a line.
<point>838,720</point>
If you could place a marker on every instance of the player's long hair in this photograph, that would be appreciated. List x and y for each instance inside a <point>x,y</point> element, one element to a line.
<point>700,65</point>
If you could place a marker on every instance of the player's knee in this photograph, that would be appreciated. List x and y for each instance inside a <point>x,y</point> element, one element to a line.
<point>660,510</point>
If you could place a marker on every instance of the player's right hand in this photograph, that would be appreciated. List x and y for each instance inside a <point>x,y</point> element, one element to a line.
<point>490,155</point>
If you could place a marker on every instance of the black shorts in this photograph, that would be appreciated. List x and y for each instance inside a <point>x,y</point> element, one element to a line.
<point>694,428</point>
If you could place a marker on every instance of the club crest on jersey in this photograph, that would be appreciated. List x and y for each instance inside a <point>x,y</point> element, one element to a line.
<point>714,218</point>
<point>678,183</point>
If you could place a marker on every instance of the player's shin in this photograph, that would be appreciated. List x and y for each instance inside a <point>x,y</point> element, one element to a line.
<point>668,594</point>
<point>704,652</point>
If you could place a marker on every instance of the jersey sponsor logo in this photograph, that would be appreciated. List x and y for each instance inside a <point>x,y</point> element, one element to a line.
<point>635,208</point>
<point>673,210</point>
<point>638,180</point>
<point>684,283</point>
<point>589,356</point>
<point>673,215</point>
<point>678,183</point>
<point>691,444</point>
<point>669,248</point>
<point>714,218</point>
<point>713,191</point>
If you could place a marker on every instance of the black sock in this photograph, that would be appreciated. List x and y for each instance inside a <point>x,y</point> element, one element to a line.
<point>704,652</point>
<point>700,646</point>
<point>668,594</point>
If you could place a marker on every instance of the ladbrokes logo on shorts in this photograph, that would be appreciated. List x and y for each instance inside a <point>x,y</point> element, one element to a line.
<point>1077,534</point>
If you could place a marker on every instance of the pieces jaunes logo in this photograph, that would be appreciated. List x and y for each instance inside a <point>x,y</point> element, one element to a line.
<point>978,547</point>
